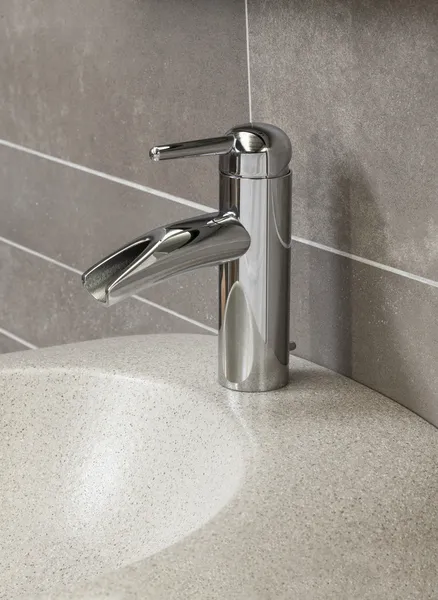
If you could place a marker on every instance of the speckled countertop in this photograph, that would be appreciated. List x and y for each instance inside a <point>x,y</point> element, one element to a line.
<point>338,498</point>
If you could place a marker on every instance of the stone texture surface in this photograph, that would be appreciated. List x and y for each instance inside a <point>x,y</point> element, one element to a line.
<point>96,456</point>
<point>337,499</point>
<point>369,324</point>
<point>99,83</point>
<point>354,85</point>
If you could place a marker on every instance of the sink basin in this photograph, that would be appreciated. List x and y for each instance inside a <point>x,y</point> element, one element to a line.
<point>127,472</point>
<point>99,470</point>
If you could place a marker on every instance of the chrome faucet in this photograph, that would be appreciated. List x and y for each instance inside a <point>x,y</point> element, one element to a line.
<point>249,238</point>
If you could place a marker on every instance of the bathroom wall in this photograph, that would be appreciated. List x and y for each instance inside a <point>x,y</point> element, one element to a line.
<point>355,85</point>
<point>87,88</point>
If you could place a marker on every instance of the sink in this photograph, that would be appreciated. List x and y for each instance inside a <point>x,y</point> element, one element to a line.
<point>127,472</point>
<point>100,470</point>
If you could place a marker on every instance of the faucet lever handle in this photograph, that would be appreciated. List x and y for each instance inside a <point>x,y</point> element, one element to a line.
<point>252,150</point>
<point>206,147</point>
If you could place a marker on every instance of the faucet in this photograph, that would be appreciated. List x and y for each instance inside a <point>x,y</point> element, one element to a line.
<point>249,238</point>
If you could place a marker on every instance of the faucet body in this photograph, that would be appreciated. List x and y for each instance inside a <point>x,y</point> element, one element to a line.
<point>249,238</point>
<point>254,289</point>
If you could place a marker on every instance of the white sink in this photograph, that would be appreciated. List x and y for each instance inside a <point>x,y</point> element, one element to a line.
<point>99,470</point>
<point>128,473</point>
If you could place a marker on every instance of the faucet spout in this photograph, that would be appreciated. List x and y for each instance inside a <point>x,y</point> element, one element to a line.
<point>205,240</point>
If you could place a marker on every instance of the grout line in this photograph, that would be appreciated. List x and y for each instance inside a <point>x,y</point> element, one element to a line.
<point>176,314</point>
<point>366,261</point>
<point>113,178</point>
<point>78,272</point>
<point>39,255</point>
<point>248,63</point>
<point>20,340</point>
<point>197,206</point>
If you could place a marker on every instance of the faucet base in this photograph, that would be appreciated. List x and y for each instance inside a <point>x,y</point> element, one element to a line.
<point>269,374</point>
<point>256,385</point>
<point>246,362</point>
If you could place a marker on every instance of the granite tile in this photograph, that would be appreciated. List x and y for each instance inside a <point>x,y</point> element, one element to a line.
<point>46,305</point>
<point>77,218</point>
<point>369,324</point>
<point>7,344</point>
<point>98,83</point>
<point>354,85</point>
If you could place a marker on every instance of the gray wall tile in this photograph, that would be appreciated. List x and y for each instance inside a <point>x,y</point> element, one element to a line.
<point>98,83</point>
<point>355,85</point>
<point>374,326</point>
<point>78,218</point>
<point>9,345</point>
<point>46,305</point>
